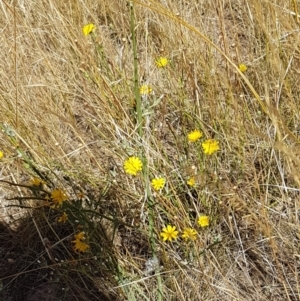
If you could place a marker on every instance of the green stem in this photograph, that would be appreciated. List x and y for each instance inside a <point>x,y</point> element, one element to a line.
<point>150,201</point>
<point>136,73</point>
<point>150,204</point>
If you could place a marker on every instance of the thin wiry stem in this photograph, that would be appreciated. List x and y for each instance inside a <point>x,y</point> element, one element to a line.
<point>136,73</point>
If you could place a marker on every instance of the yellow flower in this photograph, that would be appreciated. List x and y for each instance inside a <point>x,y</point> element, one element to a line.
<point>145,89</point>
<point>80,235</point>
<point>161,62</point>
<point>158,183</point>
<point>210,146</point>
<point>133,165</point>
<point>79,244</point>
<point>63,218</point>
<point>189,233</point>
<point>191,182</point>
<point>36,182</point>
<point>58,196</point>
<point>194,136</point>
<point>88,28</point>
<point>1,154</point>
<point>169,233</point>
<point>203,221</point>
<point>243,68</point>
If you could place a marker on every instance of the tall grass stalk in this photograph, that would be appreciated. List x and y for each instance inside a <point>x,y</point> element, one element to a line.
<point>136,72</point>
<point>149,199</point>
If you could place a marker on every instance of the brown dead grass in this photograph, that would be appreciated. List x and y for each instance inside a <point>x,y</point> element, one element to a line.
<point>70,101</point>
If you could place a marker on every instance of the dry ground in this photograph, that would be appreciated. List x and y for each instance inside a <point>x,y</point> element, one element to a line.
<point>68,107</point>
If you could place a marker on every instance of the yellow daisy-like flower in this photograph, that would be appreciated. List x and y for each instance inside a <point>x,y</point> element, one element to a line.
<point>145,90</point>
<point>191,182</point>
<point>1,154</point>
<point>58,196</point>
<point>88,28</point>
<point>36,182</point>
<point>203,221</point>
<point>158,183</point>
<point>189,233</point>
<point>80,235</point>
<point>133,165</point>
<point>194,136</point>
<point>243,68</point>
<point>169,233</point>
<point>161,62</point>
<point>63,218</point>
<point>210,146</point>
<point>79,244</point>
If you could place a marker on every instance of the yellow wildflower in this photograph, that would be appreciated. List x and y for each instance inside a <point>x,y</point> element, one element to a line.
<point>158,183</point>
<point>80,235</point>
<point>169,233</point>
<point>79,244</point>
<point>203,221</point>
<point>243,68</point>
<point>88,28</point>
<point>191,182</point>
<point>189,233</point>
<point>161,62</point>
<point>63,218</point>
<point>133,165</point>
<point>145,89</point>
<point>210,146</point>
<point>58,196</point>
<point>36,182</point>
<point>1,154</point>
<point>194,136</point>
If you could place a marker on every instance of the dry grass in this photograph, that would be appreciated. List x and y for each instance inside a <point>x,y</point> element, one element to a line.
<point>70,101</point>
